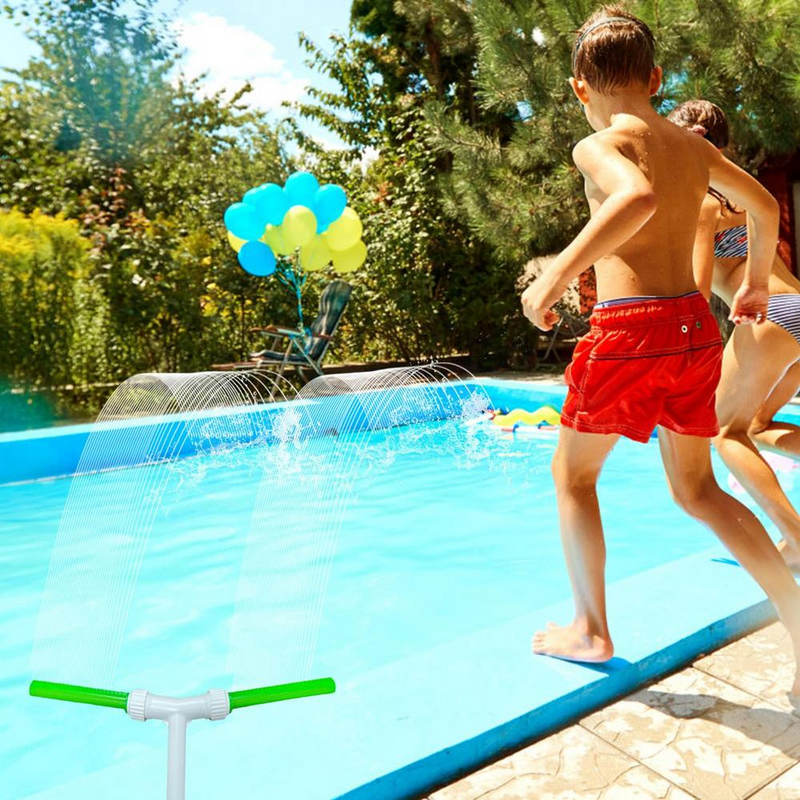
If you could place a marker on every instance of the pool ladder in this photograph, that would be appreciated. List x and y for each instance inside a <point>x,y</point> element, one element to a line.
<point>178,712</point>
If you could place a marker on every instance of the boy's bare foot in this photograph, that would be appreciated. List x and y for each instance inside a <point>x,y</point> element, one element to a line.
<point>570,644</point>
<point>791,554</point>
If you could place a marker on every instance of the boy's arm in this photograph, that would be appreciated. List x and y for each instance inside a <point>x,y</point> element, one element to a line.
<point>703,253</point>
<point>629,203</point>
<point>763,216</point>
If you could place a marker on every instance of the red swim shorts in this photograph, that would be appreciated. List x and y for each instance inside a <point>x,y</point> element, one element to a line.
<point>647,363</point>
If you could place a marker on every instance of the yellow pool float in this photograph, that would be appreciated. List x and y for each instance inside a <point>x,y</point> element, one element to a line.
<point>545,415</point>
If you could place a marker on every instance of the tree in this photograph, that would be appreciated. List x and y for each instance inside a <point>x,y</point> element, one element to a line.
<point>424,45</point>
<point>516,183</point>
<point>101,129</point>
<point>102,74</point>
<point>34,173</point>
<point>743,56</point>
<point>427,285</point>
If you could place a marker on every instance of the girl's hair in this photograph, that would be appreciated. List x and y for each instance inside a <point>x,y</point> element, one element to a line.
<point>708,120</point>
<point>706,115</point>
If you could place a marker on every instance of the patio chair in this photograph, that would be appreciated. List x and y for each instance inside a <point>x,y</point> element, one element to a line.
<point>569,328</point>
<point>305,351</point>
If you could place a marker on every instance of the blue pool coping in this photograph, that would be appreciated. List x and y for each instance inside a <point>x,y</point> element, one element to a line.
<point>662,619</point>
<point>56,452</point>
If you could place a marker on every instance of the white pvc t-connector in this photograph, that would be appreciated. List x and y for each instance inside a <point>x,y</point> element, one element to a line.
<point>177,712</point>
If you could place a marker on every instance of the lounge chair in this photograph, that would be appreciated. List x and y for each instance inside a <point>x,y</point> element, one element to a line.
<point>305,351</point>
<point>569,328</point>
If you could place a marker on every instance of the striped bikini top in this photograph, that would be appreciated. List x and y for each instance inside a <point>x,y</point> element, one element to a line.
<point>731,243</point>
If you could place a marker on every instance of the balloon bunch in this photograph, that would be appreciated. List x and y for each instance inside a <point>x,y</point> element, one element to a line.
<point>272,223</point>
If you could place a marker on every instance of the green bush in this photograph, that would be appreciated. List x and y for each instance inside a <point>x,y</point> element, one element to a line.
<point>48,301</point>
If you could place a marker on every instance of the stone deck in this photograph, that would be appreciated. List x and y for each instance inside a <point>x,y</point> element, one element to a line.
<point>722,729</point>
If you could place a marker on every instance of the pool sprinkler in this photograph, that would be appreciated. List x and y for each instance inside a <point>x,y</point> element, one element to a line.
<point>178,712</point>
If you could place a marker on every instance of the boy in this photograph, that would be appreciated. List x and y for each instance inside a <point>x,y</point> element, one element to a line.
<point>653,354</point>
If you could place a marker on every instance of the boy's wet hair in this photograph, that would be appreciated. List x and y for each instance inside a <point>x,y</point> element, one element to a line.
<point>613,49</point>
<point>701,113</point>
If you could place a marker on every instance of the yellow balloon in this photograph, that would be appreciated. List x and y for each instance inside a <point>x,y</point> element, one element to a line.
<point>235,242</point>
<point>344,232</point>
<point>299,226</point>
<point>314,255</point>
<point>351,259</point>
<point>274,237</point>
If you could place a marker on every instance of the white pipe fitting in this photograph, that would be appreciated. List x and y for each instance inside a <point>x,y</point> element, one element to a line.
<point>177,712</point>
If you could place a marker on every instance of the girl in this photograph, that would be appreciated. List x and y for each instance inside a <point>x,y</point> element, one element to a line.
<point>761,363</point>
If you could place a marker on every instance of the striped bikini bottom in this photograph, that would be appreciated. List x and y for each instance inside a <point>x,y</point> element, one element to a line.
<point>784,310</point>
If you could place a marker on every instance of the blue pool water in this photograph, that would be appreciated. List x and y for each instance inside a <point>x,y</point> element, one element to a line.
<point>438,541</point>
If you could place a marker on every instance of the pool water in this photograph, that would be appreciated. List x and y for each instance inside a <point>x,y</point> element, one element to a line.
<point>449,531</point>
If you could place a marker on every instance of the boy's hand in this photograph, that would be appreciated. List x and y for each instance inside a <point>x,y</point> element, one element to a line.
<point>536,308</point>
<point>749,306</point>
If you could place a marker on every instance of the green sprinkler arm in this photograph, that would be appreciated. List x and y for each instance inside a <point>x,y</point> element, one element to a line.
<point>284,691</point>
<point>79,694</point>
<point>240,699</point>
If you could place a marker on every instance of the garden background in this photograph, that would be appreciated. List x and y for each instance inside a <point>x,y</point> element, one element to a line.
<point>456,124</point>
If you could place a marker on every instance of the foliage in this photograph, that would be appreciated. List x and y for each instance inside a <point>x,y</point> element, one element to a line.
<point>96,130</point>
<point>428,288</point>
<point>517,186</point>
<point>742,55</point>
<point>50,308</point>
<point>456,123</point>
<point>102,74</point>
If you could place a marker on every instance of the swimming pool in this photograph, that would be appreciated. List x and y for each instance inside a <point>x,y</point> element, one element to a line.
<point>447,560</point>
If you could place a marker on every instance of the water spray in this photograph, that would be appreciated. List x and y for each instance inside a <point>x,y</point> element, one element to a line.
<point>178,712</point>
<point>155,423</point>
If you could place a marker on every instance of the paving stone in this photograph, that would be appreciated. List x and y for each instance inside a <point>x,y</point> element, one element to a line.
<point>787,787</point>
<point>761,664</point>
<point>571,765</point>
<point>713,740</point>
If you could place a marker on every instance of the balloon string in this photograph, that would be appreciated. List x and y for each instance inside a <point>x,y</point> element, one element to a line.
<point>288,276</point>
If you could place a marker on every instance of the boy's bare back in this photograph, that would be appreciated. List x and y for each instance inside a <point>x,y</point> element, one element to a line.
<point>657,259</point>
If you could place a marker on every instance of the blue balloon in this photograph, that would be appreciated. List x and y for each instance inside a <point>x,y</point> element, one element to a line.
<point>269,201</point>
<point>250,196</point>
<point>242,220</point>
<point>257,259</point>
<point>300,188</point>
<point>329,202</point>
